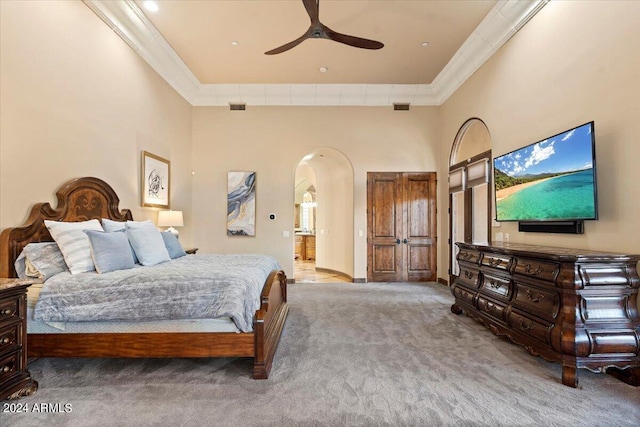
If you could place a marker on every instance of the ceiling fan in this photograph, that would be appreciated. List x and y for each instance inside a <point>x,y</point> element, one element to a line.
<point>317,30</point>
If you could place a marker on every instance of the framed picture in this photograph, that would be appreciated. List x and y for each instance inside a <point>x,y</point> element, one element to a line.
<point>241,203</point>
<point>155,181</point>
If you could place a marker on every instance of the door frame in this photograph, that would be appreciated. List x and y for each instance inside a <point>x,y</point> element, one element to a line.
<point>468,210</point>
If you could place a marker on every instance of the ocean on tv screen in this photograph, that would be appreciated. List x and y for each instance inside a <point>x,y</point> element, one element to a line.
<point>549,180</point>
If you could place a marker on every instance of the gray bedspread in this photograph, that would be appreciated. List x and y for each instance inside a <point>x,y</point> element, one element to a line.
<point>191,287</point>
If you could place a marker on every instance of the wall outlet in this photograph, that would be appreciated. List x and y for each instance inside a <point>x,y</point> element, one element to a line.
<point>285,233</point>
<point>506,237</point>
<point>499,236</point>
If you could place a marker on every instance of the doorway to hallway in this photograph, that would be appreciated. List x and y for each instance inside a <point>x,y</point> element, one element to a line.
<point>305,272</point>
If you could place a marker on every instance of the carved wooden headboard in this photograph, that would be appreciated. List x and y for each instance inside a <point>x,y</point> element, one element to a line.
<point>80,199</point>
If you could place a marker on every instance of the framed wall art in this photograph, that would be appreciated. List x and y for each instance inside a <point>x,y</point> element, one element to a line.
<point>241,203</point>
<point>155,175</point>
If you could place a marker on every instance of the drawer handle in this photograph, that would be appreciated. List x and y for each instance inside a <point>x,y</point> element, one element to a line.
<point>466,256</point>
<point>468,274</point>
<point>534,272</point>
<point>7,312</point>
<point>494,284</point>
<point>5,340</point>
<point>490,307</point>
<point>527,326</point>
<point>536,298</point>
<point>5,369</point>
<point>494,262</point>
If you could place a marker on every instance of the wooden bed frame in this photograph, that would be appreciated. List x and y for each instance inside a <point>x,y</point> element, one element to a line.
<point>88,198</point>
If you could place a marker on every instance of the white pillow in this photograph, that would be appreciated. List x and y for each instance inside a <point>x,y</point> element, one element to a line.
<point>147,242</point>
<point>74,243</point>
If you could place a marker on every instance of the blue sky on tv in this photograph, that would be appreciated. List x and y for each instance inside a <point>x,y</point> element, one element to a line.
<point>567,151</point>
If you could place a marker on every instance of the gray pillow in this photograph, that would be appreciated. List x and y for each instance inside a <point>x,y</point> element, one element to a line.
<point>173,245</point>
<point>110,251</point>
<point>147,242</point>
<point>40,260</point>
<point>110,226</point>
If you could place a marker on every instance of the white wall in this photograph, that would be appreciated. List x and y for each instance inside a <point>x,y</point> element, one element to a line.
<point>573,63</point>
<point>75,101</point>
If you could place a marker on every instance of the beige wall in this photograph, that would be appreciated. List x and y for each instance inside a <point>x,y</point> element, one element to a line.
<point>334,228</point>
<point>272,140</point>
<point>573,63</point>
<point>75,100</point>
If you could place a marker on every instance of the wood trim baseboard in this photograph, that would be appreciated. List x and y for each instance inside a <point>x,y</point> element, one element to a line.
<point>443,281</point>
<point>359,280</point>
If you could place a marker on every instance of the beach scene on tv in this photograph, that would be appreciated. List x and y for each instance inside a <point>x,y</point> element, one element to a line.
<point>552,179</point>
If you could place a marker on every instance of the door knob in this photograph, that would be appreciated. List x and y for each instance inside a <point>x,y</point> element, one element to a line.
<point>397,241</point>
<point>405,241</point>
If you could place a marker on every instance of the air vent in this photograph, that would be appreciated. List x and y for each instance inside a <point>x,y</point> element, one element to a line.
<point>237,107</point>
<point>401,107</point>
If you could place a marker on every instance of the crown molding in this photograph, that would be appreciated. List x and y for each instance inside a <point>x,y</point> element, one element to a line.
<point>126,19</point>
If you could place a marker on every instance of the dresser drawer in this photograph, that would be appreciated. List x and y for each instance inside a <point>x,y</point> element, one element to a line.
<point>463,294</point>
<point>9,310</point>
<point>469,276</point>
<point>535,328</point>
<point>10,365</point>
<point>496,286</point>
<point>499,261</point>
<point>10,338</point>
<point>545,303</point>
<point>492,308</point>
<point>469,256</point>
<point>546,271</point>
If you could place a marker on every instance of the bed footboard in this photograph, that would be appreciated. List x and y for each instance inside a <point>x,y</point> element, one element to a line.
<point>269,323</point>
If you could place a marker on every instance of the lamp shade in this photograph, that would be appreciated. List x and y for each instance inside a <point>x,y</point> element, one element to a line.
<point>170,219</point>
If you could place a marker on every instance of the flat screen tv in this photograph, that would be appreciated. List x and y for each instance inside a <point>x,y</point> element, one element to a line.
<point>550,180</point>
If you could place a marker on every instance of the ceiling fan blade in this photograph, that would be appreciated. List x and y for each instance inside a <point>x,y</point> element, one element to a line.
<point>286,47</point>
<point>352,40</point>
<point>312,9</point>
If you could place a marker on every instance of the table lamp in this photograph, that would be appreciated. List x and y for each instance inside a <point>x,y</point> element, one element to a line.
<point>170,219</point>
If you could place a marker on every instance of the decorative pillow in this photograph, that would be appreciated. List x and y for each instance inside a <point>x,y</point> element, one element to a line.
<point>147,242</point>
<point>110,251</point>
<point>110,226</point>
<point>74,243</point>
<point>40,260</point>
<point>173,245</point>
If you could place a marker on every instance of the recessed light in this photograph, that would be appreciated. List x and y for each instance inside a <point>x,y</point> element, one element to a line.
<point>425,44</point>
<point>234,43</point>
<point>323,69</point>
<point>151,6</point>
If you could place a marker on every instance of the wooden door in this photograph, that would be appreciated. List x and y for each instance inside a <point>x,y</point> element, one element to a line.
<point>401,223</point>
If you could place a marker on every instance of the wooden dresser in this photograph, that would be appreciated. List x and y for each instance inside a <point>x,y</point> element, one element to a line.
<point>572,306</point>
<point>15,380</point>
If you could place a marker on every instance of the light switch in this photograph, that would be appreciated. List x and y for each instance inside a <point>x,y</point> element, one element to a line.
<point>285,233</point>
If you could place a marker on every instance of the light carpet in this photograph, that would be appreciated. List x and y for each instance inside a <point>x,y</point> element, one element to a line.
<point>350,355</point>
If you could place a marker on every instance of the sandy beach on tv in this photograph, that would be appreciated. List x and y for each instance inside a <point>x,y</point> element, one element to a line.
<point>506,192</point>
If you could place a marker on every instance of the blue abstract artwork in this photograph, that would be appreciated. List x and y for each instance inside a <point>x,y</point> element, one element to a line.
<point>241,204</point>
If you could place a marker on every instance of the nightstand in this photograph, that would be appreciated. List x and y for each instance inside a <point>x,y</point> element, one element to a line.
<point>191,251</point>
<point>15,380</point>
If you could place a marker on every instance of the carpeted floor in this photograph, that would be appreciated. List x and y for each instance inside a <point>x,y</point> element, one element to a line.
<point>350,355</point>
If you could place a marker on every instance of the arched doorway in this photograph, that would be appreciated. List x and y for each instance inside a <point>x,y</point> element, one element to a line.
<point>323,212</point>
<point>469,188</point>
